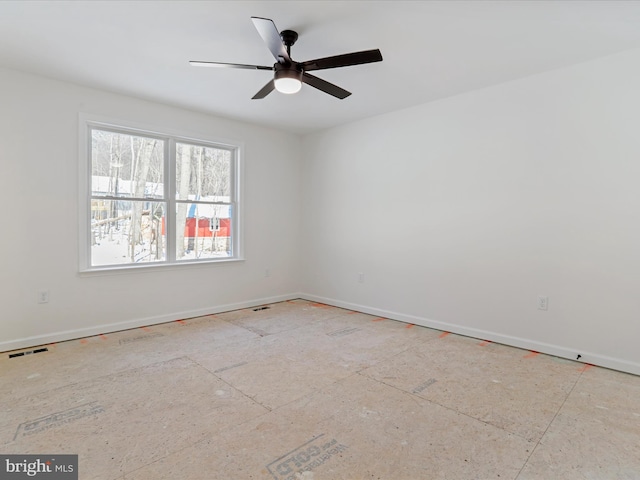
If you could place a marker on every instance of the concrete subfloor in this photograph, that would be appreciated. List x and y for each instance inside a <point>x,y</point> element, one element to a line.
<point>304,391</point>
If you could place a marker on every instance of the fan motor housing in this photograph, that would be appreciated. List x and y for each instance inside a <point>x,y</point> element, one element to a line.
<point>287,71</point>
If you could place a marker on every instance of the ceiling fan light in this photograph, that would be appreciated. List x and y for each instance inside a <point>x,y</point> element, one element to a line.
<point>288,85</point>
<point>288,80</point>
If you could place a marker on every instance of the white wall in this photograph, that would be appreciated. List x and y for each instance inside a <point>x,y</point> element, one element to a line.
<point>39,238</point>
<point>461,212</point>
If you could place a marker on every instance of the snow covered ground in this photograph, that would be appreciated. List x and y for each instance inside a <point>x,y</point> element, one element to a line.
<point>113,248</point>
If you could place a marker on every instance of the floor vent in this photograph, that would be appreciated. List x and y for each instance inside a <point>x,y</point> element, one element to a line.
<point>261,308</point>
<point>28,352</point>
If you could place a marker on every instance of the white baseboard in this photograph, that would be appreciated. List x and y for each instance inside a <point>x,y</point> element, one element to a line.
<point>45,339</point>
<point>547,348</point>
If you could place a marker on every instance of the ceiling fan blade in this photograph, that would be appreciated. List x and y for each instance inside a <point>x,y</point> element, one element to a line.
<point>325,86</point>
<point>264,91</point>
<point>355,58</point>
<point>197,63</point>
<point>269,33</point>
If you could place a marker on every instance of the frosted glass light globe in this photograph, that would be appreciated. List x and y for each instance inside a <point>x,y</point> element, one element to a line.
<point>288,85</point>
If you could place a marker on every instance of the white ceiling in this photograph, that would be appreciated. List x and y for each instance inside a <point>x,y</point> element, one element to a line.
<point>431,49</point>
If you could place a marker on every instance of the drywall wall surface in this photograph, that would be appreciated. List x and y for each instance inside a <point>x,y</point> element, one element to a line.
<point>39,155</point>
<point>459,214</point>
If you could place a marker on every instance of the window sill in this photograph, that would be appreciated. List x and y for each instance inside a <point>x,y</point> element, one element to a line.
<point>128,269</point>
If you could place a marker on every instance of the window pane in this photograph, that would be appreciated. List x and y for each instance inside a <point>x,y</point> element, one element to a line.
<point>205,231</point>
<point>126,165</point>
<point>124,232</point>
<point>203,173</point>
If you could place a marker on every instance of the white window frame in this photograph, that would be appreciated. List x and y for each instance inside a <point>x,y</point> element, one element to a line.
<point>170,137</point>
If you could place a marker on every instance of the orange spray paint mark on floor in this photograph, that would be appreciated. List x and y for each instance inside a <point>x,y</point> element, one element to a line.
<point>444,334</point>
<point>484,343</point>
<point>146,329</point>
<point>411,325</point>
<point>103,336</point>
<point>181,321</point>
<point>320,305</point>
<point>586,367</point>
<point>531,354</point>
<point>379,319</point>
<point>84,340</point>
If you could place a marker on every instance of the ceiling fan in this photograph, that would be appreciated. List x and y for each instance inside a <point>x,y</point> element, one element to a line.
<point>290,75</point>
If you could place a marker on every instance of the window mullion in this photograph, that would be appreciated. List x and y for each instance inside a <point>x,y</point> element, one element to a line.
<point>170,194</point>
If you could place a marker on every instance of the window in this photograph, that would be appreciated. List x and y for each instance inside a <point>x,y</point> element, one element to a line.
<point>158,199</point>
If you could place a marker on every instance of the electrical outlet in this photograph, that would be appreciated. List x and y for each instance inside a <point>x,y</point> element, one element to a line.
<point>543,302</point>
<point>43,296</point>
<point>361,277</point>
